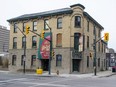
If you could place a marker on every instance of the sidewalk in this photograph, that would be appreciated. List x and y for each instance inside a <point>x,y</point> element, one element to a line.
<point>98,74</point>
<point>88,75</point>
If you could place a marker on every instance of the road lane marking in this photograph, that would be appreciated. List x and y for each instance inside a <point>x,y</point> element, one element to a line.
<point>7,81</point>
<point>50,83</point>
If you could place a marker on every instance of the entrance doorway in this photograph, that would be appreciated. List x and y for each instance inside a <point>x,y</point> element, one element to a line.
<point>45,64</point>
<point>76,65</point>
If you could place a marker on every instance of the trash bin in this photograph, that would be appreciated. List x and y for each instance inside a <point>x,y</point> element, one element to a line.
<point>114,69</point>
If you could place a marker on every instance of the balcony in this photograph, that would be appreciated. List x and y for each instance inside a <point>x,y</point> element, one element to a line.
<point>76,54</point>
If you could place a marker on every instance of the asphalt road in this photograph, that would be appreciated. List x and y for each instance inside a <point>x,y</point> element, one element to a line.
<point>21,80</point>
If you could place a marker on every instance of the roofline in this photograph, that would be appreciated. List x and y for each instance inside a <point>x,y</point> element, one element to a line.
<point>32,16</point>
<point>77,5</point>
<point>96,23</point>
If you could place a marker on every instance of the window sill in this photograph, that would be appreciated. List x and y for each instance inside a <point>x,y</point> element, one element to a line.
<point>77,26</point>
<point>34,30</point>
<point>59,27</point>
<point>58,45</point>
<point>34,46</point>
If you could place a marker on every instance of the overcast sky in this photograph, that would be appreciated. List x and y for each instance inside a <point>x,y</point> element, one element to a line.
<point>103,11</point>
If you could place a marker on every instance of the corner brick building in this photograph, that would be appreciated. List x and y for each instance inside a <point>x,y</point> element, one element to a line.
<point>73,32</point>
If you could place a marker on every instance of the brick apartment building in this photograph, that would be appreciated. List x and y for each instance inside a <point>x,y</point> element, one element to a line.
<point>73,32</point>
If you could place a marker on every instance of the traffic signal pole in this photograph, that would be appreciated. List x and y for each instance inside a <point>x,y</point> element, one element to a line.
<point>50,48</point>
<point>50,57</point>
<point>24,59</point>
<point>50,52</point>
<point>95,68</point>
<point>106,36</point>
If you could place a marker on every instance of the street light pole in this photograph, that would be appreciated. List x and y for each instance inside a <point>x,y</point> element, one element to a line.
<point>94,46</point>
<point>24,58</point>
<point>50,52</point>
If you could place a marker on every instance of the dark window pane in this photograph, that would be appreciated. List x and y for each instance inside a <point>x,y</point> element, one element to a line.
<point>59,60</point>
<point>77,21</point>
<point>59,23</point>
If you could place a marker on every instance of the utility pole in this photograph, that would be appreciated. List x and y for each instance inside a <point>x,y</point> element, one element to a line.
<point>50,57</point>
<point>94,47</point>
<point>50,48</point>
<point>24,57</point>
<point>50,52</point>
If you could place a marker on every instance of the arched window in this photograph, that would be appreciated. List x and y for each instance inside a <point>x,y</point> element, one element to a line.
<point>77,21</point>
<point>59,39</point>
<point>15,42</point>
<point>58,60</point>
<point>33,60</point>
<point>23,42</point>
<point>34,41</point>
<point>59,23</point>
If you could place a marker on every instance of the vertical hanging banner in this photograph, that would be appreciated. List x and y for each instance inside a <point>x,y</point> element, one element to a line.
<point>81,43</point>
<point>44,47</point>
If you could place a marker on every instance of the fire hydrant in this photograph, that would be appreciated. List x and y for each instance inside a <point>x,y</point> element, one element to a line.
<point>57,72</point>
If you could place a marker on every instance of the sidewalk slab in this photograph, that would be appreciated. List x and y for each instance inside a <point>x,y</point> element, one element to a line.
<point>88,75</point>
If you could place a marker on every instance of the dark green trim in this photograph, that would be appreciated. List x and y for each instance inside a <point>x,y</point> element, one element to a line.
<point>77,5</point>
<point>41,14</point>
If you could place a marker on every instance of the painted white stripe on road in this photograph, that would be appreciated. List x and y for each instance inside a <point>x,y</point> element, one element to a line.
<point>6,81</point>
<point>50,83</point>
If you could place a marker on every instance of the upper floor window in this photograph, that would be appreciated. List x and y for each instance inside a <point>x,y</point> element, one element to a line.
<point>34,41</point>
<point>33,60</point>
<point>59,40</point>
<point>23,42</point>
<point>46,23</point>
<point>24,27</point>
<point>58,60</point>
<point>99,33</point>
<point>99,46</point>
<point>15,28</point>
<point>35,26</point>
<point>15,42</point>
<point>59,23</point>
<point>77,21</point>
<point>13,59</point>
<point>76,41</point>
<point>102,47</point>
<point>94,31</point>
<point>88,25</point>
<point>87,41</point>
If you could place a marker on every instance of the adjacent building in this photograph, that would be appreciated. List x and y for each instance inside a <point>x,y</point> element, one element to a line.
<point>74,33</point>
<point>4,44</point>
<point>111,57</point>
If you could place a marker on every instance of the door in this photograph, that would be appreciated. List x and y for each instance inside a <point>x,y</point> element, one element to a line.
<point>76,64</point>
<point>45,64</point>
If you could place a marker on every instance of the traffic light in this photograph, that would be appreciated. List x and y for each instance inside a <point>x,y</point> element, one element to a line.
<point>42,34</point>
<point>90,55</point>
<point>53,53</point>
<point>106,37</point>
<point>27,30</point>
